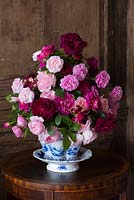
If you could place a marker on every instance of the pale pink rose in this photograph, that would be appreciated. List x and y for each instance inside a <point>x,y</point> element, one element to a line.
<point>45,81</point>
<point>84,127</point>
<point>35,55</point>
<point>48,95</point>
<point>36,125</point>
<point>88,136</point>
<point>104,104</point>
<point>17,85</point>
<point>69,83</point>
<point>54,64</point>
<point>26,95</point>
<point>52,138</point>
<point>79,139</point>
<point>102,79</point>
<point>21,122</point>
<point>80,71</point>
<point>81,102</point>
<point>17,131</point>
<point>14,99</point>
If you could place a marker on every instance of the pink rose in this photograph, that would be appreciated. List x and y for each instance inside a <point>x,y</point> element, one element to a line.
<point>116,93</point>
<point>17,85</point>
<point>26,95</point>
<point>69,83</point>
<point>87,133</point>
<point>80,71</point>
<point>104,104</point>
<point>21,122</point>
<point>35,55</point>
<point>45,81</point>
<point>17,131</point>
<point>54,64</point>
<point>52,138</point>
<point>84,127</point>
<point>36,125</point>
<point>80,104</point>
<point>102,79</point>
<point>48,95</point>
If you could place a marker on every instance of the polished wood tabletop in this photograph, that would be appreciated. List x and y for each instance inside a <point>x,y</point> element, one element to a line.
<point>102,177</point>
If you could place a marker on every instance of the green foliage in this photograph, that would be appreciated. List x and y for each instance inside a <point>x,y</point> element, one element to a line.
<point>66,142</point>
<point>50,130</point>
<point>59,92</point>
<point>58,119</point>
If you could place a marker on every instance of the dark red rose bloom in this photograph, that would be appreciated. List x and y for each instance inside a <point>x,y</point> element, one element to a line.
<point>84,87</point>
<point>104,124</point>
<point>67,69</point>
<point>72,43</point>
<point>93,63</point>
<point>44,108</point>
<point>30,81</point>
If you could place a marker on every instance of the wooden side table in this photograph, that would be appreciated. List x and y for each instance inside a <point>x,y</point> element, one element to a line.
<point>102,177</point>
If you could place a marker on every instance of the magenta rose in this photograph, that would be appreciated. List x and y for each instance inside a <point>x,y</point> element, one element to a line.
<point>46,51</point>
<point>116,94</point>
<point>44,108</point>
<point>72,43</point>
<point>80,71</point>
<point>102,79</point>
<point>65,104</point>
<point>26,107</point>
<point>69,83</point>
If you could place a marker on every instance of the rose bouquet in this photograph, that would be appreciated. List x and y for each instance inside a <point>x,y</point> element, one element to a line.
<point>65,99</point>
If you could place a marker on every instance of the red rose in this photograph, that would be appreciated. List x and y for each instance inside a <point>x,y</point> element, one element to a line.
<point>104,124</point>
<point>72,44</point>
<point>44,108</point>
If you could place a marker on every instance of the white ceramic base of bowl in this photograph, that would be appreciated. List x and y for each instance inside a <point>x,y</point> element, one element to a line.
<point>62,168</point>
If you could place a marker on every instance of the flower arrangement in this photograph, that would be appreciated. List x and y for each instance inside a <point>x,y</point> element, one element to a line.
<point>65,98</point>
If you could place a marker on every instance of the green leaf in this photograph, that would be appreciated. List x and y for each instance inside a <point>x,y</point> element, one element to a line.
<point>8,97</point>
<point>27,132</point>
<point>102,115</point>
<point>66,143</point>
<point>77,93</point>
<point>67,121</point>
<point>50,130</point>
<point>72,136</point>
<point>58,119</point>
<point>63,131</point>
<point>59,93</point>
<point>75,127</point>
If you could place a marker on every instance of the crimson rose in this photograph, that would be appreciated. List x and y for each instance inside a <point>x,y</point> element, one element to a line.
<point>44,108</point>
